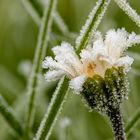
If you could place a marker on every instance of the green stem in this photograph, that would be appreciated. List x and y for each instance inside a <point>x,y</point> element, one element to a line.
<point>38,58</point>
<point>115,117</point>
<point>9,115</point>
<point>36,13</point>
<point>33,11</point>
<point>132,122</point>
<point>91,24</point>
<point>58,99</point>
<point>54,110</point>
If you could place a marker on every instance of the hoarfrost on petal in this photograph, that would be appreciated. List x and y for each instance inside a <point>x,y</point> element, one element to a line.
<point>53,75</point>
<point>77,83</point>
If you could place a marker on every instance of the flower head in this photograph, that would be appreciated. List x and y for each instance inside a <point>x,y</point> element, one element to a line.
<point>103,53</point>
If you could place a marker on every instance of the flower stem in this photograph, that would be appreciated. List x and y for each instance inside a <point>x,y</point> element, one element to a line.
<point>39,55</point>
<point>54,109</point>
<point>10,116</point>
<point>132,122</point>
<point>115,117</point>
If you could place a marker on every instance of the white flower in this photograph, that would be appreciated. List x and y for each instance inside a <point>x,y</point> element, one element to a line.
<point>96,59</point>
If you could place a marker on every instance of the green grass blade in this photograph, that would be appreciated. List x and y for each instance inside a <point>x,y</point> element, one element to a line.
<point>9,115</point>
<point>54,110</point>
<point>124,5</point>
<point>32,10</point>
<point>39,55</point>
<point>132,122</point>
<point>36,14</point>
<point>91,24</point>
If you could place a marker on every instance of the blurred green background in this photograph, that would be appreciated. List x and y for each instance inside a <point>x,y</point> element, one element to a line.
<point>18,37</point>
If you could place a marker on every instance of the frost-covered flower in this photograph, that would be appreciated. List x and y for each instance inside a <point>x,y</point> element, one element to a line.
<point>103,53</point>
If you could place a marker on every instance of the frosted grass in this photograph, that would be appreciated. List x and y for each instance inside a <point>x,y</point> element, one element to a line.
<point>124,5</point>
<point>91,24</point>
<point>40,51</point>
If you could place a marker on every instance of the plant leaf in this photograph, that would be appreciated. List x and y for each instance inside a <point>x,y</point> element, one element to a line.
<point>9,115</point>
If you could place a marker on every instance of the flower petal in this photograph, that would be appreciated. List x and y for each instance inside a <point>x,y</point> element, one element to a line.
<point>54,75</point>
<point>66,55</point>
<point>77,83</point>
<point>126,62</point>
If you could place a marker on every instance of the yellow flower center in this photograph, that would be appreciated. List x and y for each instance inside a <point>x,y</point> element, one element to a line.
<point>89,68</point>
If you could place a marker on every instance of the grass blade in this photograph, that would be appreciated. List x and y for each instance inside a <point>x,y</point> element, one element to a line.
<point>36,14</point>
<point>39,55</point>
<point>132,122</point>
<point>53,111</point>
<point>32,10</point>
<point>124,5</point>
<point>91,24</point>
<point>8,113</point>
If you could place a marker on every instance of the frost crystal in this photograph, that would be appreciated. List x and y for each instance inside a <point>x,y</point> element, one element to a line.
<point>104,53</point>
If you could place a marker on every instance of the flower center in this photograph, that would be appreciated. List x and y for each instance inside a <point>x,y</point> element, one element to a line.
<point>90,68</point>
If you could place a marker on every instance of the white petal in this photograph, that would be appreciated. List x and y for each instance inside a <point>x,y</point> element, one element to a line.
<point>66,55</point>
<point>117,38</point>
<point>85,54</point>
<point>48,63</point>
<point>126,62</point>
<point>116,43</point>
<point>53,75</point>
<point>77,83</point>
<point>98,49</point>
<point>54,65</point>
<point>62,49</point>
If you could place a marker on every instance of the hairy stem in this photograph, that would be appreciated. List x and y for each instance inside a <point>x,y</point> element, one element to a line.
<point>115,117</point>
<point>39,55</point>
<point>9,115</point>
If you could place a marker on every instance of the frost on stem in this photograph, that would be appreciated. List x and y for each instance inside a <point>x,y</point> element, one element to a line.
<point>105,96</point>
<point>124,5</point>
<point>92,23</point>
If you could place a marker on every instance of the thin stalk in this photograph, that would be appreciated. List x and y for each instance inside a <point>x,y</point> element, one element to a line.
<point>91,24</point>
<point>32,10</point>
<point>53,111</point>
<point>132,122</point>
<point>39,55</point>
<point>124,5</point>
<point>9,115</point>
<point>60,95</point>
<point>115,117</point>
<point>36,14</point>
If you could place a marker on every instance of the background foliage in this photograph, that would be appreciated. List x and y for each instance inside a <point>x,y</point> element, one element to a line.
<point>18,36</point>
